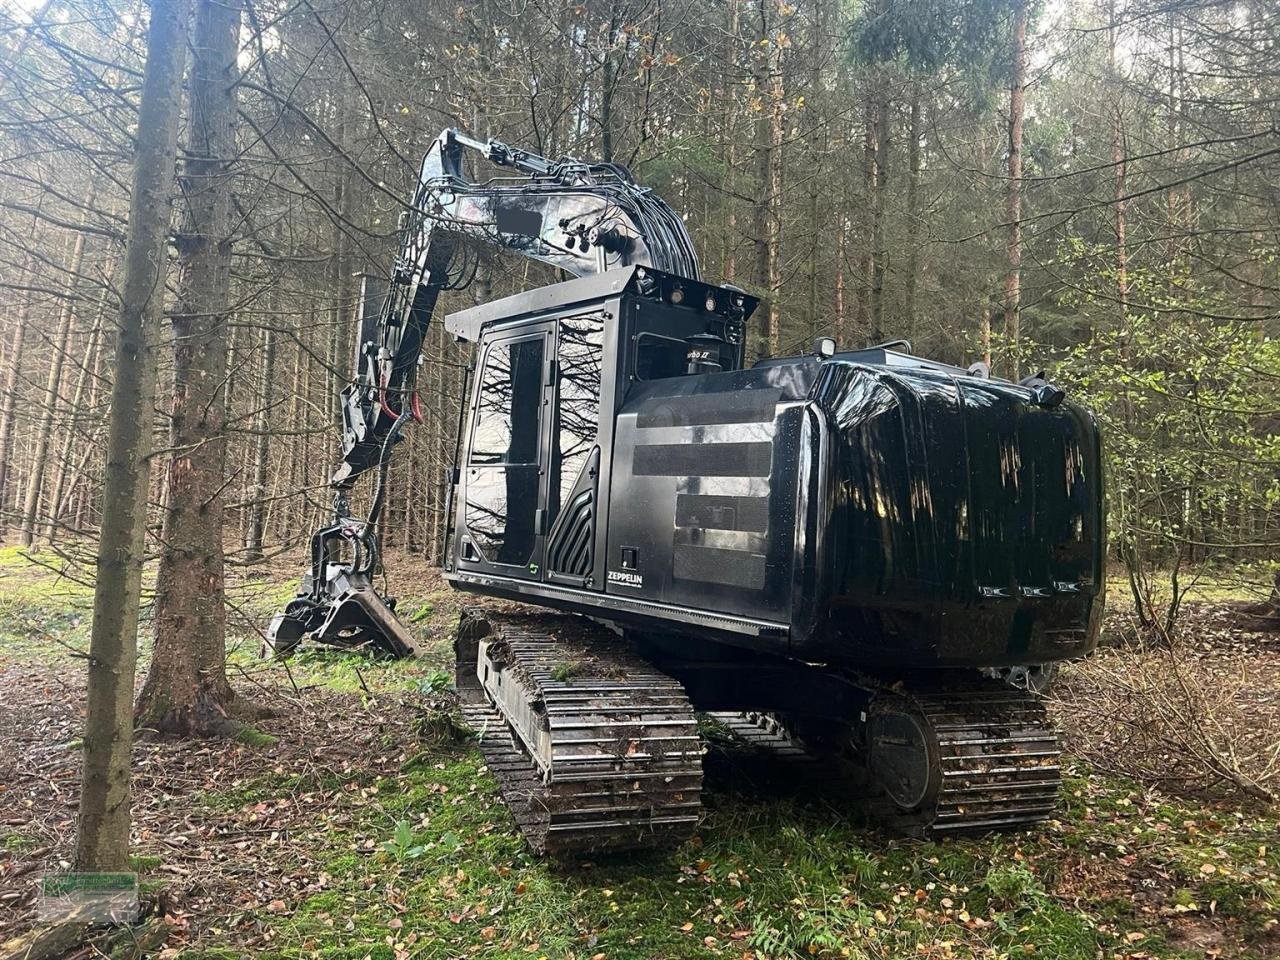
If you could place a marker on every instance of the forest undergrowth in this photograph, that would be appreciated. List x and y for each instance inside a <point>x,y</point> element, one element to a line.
<point>346,827</point>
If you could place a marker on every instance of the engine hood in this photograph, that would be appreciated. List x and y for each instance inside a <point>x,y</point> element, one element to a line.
<point>963,501</point>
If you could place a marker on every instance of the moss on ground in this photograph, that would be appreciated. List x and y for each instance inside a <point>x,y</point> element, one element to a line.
<point>253,737</point>
<point>429,865</point>
<point>15,842</point>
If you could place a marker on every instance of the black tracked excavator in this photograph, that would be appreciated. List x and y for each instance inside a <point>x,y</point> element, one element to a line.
<point>832,552</point>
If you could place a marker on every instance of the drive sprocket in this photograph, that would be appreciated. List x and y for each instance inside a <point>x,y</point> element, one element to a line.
<point>973,758</point>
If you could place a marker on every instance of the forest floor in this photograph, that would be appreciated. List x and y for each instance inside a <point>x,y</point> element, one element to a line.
<point>338,830</point>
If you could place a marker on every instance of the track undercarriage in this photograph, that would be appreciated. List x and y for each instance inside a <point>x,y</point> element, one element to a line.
<point>595,748</point>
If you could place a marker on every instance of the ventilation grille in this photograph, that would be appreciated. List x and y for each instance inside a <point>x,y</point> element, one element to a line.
<point>572,548</point>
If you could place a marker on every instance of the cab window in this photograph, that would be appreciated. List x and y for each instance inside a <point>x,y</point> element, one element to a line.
<point>506,430</point>
<point>659,357</point>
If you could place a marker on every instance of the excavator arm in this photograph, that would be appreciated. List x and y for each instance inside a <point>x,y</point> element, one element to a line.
<point>583,218</point>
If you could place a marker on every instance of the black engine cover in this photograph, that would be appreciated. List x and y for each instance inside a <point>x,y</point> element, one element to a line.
<point>889,514</point>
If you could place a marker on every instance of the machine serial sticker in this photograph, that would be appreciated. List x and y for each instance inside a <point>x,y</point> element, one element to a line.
<point>626,578</point>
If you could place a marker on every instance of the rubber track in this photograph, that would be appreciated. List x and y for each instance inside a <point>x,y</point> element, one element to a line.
<point>762,753</point>
<point>999,759</point>
<point>627,761</point>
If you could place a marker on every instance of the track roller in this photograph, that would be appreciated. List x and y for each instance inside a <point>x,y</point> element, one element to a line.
<point>975,758</point>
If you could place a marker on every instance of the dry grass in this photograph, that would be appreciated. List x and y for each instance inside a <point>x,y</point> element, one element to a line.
<point>1198,717</point>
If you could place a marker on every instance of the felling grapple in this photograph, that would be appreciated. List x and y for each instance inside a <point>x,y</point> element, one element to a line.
<point>837,549</point>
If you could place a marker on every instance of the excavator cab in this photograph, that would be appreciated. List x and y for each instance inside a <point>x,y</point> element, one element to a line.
<point>552,370</point>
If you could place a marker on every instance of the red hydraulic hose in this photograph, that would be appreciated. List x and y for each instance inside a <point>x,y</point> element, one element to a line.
<point>382,401</point>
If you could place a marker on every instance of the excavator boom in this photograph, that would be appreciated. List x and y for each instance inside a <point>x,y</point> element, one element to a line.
<point>580,217</point>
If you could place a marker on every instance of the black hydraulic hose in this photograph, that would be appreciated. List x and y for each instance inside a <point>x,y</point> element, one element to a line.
<point>380,490</point>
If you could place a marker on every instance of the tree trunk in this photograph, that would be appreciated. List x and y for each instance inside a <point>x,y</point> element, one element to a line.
<point>227,396</point>
<point>52,389</point>
<point>83,480</point>
<point>297,419</point>
<point>764,146</point>
<point>984,335</point>
<point>437,386</point>
<point>1179,195</point>
<point>62,466</point>
<point>610,74</point>
<point>340,272</point>
<point>102,839</point>
<point>1013,193</point>
<point>13,376</point>
<point>1119,161</point>
<point>732,44</point>
<point>261,425</point>
<point>186,690</point>
<point>913,213</point>
<point>866,265</point>
<point>819,140</point>
<point>842,244</point>
<point>773,236</point>
<point>880,193</point>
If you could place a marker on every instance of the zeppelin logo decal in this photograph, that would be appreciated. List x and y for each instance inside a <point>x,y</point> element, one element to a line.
<point>626,578</point>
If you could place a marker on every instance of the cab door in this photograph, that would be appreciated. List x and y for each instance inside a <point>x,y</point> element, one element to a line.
<point>504,476</point>
<point>573,508</point>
